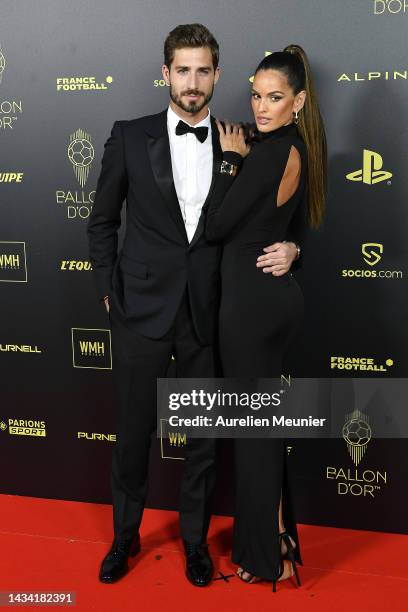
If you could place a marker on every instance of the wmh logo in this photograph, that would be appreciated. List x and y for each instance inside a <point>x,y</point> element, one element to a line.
<point>172,444</point>
<point>371,172</point>
<point>13,263</point>
<point>91,348</point>
<point>177,438</point>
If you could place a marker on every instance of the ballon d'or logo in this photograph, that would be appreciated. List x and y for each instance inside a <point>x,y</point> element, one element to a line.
<point>357,434</point>
<point>81,154</point>
<point>2,64</point>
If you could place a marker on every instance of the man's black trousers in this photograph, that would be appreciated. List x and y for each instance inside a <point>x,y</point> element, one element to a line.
<point>137,362</point>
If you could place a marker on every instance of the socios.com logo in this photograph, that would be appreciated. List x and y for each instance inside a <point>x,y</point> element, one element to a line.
<point>371,172</point>
<point>372,252</point>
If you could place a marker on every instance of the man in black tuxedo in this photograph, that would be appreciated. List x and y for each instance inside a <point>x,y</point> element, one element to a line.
<point>161,290</point>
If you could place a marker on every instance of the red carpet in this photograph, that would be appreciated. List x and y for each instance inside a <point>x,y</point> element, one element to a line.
<point>51,545</point>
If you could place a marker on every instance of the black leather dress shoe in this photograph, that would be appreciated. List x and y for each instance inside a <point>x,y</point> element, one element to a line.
<point>115,564</point>
<point>199,567</point>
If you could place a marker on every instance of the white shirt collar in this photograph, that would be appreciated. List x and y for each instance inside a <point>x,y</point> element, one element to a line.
<point>173,119</point>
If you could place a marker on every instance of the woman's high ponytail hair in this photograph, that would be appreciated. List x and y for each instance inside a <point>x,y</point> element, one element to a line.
<point>293,62</point>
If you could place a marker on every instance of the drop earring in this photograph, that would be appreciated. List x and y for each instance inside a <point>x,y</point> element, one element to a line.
<point>296,120</point>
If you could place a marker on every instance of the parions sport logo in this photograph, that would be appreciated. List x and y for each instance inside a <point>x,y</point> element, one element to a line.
<point>77,204</point>
<point>359,481</point>
<point>371,254</point>
<point>13,262</point>
<point>10,109</point>
<point>24,427</point>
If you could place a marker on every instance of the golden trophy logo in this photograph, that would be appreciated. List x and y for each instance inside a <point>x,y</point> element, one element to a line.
<point>371,172</point>
<point>370,256</point>
<point>78,204</point>
<point>357,482</point>
<point>81,154</point>
<point>357,434</point>
<point>3,426</point>
<point>2,64</point>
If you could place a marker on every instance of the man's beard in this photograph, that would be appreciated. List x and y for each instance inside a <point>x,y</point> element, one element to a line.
<point>191,107</point>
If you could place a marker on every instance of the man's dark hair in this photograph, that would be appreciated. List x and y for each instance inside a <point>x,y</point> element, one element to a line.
<point>190,35</point>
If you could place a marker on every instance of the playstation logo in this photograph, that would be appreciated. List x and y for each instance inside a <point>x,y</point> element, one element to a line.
<point>372,252</point>
<point>371,172</point>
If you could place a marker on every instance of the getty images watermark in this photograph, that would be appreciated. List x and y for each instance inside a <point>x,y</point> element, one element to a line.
<point>284,407</point>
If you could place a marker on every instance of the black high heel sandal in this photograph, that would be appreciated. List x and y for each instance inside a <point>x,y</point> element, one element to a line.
<point>283,537</point>
<point>251,577</point>
<point>281,570</point>
<point>290,553</point>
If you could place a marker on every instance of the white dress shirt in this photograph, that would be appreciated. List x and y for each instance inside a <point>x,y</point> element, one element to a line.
<point>192,163</point>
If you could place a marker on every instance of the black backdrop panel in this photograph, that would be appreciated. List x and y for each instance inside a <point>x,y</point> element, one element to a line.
<point>68,71</point>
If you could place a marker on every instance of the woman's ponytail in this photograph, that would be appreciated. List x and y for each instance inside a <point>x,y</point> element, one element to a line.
<point>310,125</point>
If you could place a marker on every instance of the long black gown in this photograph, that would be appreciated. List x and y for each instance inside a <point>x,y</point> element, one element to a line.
<point>259,314</point>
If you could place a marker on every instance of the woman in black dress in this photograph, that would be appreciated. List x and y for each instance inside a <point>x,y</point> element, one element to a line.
<point>253,203</point>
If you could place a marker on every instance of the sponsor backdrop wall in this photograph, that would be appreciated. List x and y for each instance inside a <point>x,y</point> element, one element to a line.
<point>67,71</point>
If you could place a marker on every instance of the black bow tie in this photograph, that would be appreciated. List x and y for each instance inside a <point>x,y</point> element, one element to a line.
<point>200,132</point>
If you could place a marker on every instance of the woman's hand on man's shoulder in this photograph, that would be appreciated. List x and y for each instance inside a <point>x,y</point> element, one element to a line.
<point>232,138</point>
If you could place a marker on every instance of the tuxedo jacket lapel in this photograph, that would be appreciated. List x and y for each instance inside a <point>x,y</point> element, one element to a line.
<point>158,147</point>
<point>217,158</point>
